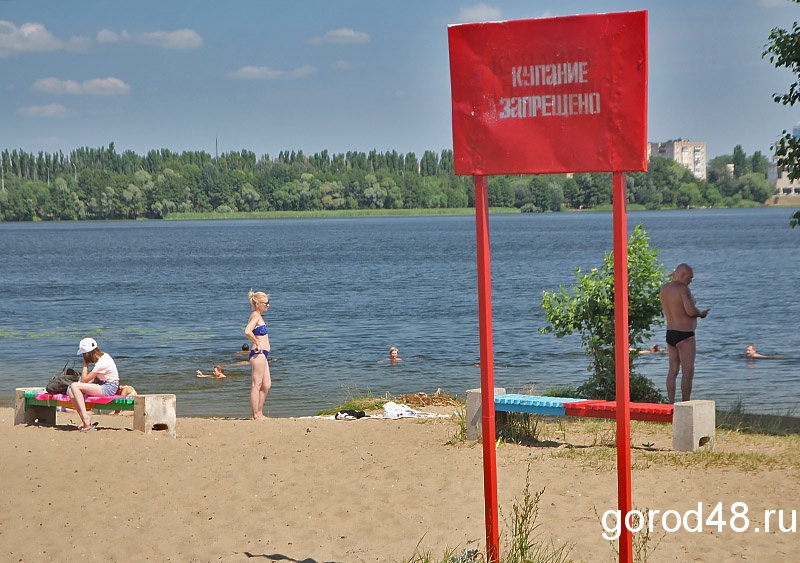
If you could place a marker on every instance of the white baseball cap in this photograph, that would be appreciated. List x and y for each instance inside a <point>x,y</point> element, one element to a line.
<point>86,345</point>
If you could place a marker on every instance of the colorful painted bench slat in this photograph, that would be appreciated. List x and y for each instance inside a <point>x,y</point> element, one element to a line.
<point>653,412</point>
<point>114,403</point>
<point>561,406</point>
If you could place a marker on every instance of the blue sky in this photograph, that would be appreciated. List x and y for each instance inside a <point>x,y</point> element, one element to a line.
<point>267,76</point>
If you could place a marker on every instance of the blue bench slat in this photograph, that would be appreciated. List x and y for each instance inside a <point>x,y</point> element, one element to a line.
<point>534,404</point>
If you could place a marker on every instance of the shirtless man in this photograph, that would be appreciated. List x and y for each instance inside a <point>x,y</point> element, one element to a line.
<point>682,315</point>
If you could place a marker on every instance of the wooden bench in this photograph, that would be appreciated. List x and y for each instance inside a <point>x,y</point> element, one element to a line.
<point>693,422</point>
<point>34,405</point>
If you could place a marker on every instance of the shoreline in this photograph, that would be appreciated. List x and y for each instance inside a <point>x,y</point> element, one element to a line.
<point>766,423</point>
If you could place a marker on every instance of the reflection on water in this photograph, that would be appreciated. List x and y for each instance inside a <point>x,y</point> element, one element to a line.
<point>168,298</point>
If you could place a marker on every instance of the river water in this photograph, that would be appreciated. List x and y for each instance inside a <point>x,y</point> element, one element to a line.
<point>167,298</point>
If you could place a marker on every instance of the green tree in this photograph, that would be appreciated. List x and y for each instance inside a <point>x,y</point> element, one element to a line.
<point>759,164</point>
<point>133,200</point>
<point>689,195</point>
<point>783,50</point>
<point>546,193</point>
<point>429,163</point>
<point>456,198</point>
<point>595,189</point>
<point>523,196</point>
<point>501,192</point>
<point>589,310</point>
<point>741,165</point>
<point>539,192</point>
<point>754,187</point>
<point>250,197</point>
<point>718,170</point>
<point>712,195</point>
<point>572,193</point>
<point>667,176</point>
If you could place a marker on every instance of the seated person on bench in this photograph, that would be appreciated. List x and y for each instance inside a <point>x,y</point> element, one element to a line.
<point>102,381</point>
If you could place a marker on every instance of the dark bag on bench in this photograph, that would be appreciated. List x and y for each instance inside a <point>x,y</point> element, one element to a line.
<point>60,382</point>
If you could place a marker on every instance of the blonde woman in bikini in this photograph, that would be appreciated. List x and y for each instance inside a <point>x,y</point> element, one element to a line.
<point>257,333</point>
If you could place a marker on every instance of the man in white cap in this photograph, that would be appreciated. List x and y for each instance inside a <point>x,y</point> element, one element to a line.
<point>682,314</point>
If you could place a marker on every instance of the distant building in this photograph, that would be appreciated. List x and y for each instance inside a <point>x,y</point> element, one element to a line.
<point>691,154</point>
<point>784,186</point>
<point>730,170</point>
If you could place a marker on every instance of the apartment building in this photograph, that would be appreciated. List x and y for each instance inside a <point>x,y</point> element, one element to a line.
<point>691,154</point>
<point>784,186</point>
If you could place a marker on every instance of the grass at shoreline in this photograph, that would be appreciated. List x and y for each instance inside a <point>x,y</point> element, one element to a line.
<point>326,214</point>
<point>365,401</point>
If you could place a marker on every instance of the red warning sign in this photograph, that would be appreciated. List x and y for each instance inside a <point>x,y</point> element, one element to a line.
<point>550,95</point>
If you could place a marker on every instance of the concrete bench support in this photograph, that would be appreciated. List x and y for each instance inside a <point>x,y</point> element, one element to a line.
<point>154,412</point>
<point>32,414</point>
<point>475,412</point>
<point>694,426</point>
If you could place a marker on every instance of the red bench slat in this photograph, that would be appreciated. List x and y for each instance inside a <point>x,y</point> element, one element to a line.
<point>653,412</point>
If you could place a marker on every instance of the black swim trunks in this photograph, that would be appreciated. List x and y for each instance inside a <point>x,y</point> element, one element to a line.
<point>676,336</point>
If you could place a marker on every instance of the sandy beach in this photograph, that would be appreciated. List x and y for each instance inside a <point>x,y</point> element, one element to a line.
<point>317,490</point>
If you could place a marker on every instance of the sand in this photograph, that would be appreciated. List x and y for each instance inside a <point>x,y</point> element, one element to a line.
<point>321,490</point>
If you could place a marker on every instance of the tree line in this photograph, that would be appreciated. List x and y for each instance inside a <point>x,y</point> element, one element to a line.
<point>99,183</point>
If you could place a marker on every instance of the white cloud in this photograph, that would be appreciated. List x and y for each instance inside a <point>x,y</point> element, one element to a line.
<point>478,13</point>
<point>341,36</point>
<point>178,39</point>
<point>108,36</point>
<point>341,65</point>
<point>34,38</point>
<point>94,87</point>
<point>48,111</point>
<point>266,73</point>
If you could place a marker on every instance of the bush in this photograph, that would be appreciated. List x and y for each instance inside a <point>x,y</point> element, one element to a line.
<point>589,310</point>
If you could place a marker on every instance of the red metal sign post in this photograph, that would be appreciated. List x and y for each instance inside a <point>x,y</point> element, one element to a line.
<point>487,369</point>
<point>621,362</point>
<point>547,96</point>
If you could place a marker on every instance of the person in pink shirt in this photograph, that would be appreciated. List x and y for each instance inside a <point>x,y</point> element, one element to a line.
<point>102,381</point>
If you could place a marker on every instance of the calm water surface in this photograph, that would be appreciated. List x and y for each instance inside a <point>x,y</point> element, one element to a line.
<point>168,298</point>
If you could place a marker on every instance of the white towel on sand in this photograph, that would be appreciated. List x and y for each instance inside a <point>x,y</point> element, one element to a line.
<point>396,410</point>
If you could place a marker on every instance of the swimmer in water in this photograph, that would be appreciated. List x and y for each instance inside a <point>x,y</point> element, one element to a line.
<point>751,354</point>
<point>394,355</point>
<point>218,373</point>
